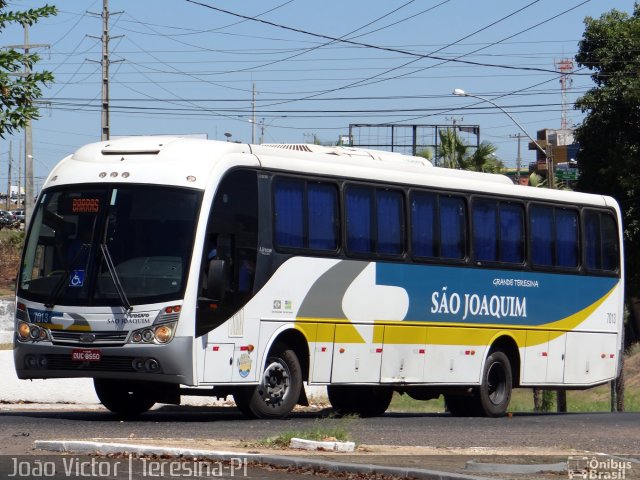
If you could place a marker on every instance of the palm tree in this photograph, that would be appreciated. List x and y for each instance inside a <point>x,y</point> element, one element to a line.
<point>536,180</point>
<point>454,153</point>
<point>484,159</point>
<point>427,154</point>
<point>452,149</point>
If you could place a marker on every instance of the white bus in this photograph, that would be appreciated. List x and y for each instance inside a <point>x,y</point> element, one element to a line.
<point>167,266</point>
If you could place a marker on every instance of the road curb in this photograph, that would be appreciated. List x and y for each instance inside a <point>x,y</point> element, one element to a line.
<point>326,446</point>
<point>106,448</point>
<point>520,469</point>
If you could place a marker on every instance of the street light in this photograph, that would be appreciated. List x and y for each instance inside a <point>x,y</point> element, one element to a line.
<point>461,93</point>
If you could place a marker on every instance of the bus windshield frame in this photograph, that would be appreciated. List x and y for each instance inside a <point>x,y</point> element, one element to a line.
<point>109,245</point>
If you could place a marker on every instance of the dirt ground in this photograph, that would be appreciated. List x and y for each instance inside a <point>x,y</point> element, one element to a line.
<point>9,261</point>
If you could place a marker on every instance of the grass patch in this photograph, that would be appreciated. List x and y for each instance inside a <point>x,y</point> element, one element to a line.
<point>6,346</point>
<point>404,403</point>
<point>596,399</point>
<point>323,430</point>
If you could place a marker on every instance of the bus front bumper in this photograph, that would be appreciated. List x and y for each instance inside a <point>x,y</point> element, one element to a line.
<point>171,363</point>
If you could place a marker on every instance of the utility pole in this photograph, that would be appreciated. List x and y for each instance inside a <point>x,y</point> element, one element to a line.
<point>9,175</point>
<point>105,125</point>
<point>28,146</point>
<point>519,136</point>
<point>253,114</point>
<point>20,175</point>
<point>551,180</point>
<point>454,120</point>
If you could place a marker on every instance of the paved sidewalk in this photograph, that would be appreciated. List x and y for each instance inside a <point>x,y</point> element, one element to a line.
<point>401,462</point>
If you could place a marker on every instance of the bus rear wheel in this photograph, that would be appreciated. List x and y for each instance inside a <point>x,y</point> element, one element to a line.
<point>363,400</point>
<point>495,389</point>
<point>279,388</point>
<point>492,398</point>
<point>126,399</point>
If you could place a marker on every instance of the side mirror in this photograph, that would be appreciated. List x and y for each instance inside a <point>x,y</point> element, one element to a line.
<point>217,279</point>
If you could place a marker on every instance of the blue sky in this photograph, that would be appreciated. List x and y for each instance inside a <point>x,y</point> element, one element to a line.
<point>181,67</point>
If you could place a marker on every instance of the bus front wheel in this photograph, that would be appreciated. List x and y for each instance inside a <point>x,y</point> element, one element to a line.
<point>123,398</point>
<point>279,388</point>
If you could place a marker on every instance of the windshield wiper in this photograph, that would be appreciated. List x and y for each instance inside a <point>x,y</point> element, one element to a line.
<point>62,283</point>
<point>114,276</point>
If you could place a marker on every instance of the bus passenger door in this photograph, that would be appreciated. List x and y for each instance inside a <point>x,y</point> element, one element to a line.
<point>403,354</point>
<point>357,354</point>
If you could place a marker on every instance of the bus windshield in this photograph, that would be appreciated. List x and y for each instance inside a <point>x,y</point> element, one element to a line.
<point>109,245</point>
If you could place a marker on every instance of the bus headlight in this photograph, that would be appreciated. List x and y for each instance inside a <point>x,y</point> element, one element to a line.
<point>24,331</point>
<point>163,333</point>
<point>29,331</point>
<point>158,334</point>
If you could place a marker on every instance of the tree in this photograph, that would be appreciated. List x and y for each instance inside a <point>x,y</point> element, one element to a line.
<point>454,153</point>
<point>609,136</point>
<point>19,91</point>
<point>452,149</point>
<point>427,154</point>
<point>484,159</point>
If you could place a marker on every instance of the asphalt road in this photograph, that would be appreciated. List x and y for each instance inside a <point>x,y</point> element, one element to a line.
<point>617,434</point>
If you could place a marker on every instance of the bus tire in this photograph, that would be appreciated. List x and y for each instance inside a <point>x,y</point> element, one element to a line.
<point>495,389</point>
<point>362,400</point>
<point>462,405</point>
<point>126,399</point>
<point>279,388</point>
<point>339,399</point>
<point>373,401</point>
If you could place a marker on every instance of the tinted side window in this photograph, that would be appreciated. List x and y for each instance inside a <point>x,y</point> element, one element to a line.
<point>289,213</point>
<point>423,224</point>
<point>541,223</point>
<point>511,233</point>
<point>359,208</point>
<point>322,202</point>
<point>390,222</point>
<point>600,241</point>
<point>306,214</point>
<point>555,238</point>
<point>610,252</point>
<point>375,220</point>
<point>452,227</point>
<point>567,238</point>
<point>485,230</point>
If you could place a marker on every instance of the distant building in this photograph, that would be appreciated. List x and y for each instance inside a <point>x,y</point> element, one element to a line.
<point>564,152</point>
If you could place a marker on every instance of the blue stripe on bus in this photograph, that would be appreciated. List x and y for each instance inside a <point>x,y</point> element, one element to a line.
<point>480,296</point>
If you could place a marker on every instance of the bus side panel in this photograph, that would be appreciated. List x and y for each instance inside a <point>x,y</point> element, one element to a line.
<point>543,358</point>
<point>403,354</point>
<point>591,358</point>
<point>455,355</point>
<point>535,358</point>
<point>357,354</point>
<point>322,353</point>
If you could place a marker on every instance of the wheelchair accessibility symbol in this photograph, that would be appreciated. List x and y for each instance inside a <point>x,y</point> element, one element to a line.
<point>77,278</point>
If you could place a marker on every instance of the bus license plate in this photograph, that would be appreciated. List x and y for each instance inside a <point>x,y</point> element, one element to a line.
<point>86,355</point>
